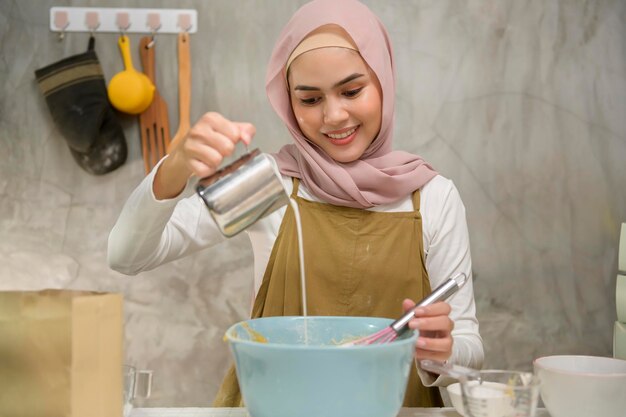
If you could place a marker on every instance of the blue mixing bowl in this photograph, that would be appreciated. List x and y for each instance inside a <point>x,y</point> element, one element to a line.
<point>280,375</point>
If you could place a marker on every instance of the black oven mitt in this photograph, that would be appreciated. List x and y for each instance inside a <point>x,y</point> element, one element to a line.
<point>76,95</point>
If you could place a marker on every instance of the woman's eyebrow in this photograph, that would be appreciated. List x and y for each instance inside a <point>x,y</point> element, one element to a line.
<point>340,83</point>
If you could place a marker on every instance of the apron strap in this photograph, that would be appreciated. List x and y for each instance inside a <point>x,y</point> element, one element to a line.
<point>296,185</point>
<point>416,200</point>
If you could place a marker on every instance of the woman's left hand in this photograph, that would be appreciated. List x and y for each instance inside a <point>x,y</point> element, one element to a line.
<point>435,330</point>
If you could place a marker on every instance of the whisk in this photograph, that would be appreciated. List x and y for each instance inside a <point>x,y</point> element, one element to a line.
<point>395,329</point>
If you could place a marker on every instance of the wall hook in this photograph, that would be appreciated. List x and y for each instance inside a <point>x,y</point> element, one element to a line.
<point>184,22</point>
<point>126,20</point>
<point>152,39</point>
<point>92,21</point>
<point>61,22</point>
<point>154,23</point>
<point>123,22</point>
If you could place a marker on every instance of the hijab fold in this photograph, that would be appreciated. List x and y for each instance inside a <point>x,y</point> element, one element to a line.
<point>380,175</point>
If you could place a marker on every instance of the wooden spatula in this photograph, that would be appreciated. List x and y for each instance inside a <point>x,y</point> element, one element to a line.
<point>154,121</point>
<point>184,90</point>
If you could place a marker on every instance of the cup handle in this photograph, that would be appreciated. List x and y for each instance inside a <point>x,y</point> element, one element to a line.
<point>143,384</point>
<point>454,371</point>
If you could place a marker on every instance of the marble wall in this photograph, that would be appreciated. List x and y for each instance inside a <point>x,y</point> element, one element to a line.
<point>520,102</point>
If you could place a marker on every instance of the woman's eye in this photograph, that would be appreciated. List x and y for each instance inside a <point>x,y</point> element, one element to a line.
<point>309,101</point>
<point>352,93</point>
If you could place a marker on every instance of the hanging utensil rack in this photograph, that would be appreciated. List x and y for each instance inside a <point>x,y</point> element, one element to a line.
<point>127,20</point>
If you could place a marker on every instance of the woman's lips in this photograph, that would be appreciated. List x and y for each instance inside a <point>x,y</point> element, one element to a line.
<point>343,140</point>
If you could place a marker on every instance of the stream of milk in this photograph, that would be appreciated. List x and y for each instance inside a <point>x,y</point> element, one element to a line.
<point>294,205</point>
<point>296,212</point>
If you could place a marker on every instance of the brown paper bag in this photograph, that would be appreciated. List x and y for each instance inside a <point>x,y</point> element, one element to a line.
<point>60,354</point>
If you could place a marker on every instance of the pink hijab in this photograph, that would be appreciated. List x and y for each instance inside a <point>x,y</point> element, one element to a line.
<point>381,175</point>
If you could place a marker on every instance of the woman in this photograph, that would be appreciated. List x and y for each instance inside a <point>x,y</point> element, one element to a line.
<point>382,226</point>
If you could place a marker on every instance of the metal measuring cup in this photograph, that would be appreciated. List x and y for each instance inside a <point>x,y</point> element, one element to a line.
<point>243,192</point>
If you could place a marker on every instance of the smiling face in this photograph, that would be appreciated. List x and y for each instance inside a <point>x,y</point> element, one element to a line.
<point>337,101</point>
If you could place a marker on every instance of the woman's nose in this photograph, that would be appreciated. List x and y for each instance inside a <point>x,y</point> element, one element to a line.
<point>334,112</point>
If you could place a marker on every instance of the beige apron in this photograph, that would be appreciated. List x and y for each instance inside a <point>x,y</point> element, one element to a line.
<point>357,263</point>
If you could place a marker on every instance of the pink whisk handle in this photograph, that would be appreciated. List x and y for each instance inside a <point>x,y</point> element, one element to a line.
<point>441,293</point>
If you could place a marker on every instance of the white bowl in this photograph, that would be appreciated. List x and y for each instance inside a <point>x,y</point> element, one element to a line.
<point>582,386</point>
<point>454,391</point>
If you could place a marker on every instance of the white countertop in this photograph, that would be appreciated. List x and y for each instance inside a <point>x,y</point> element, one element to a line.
<point>241,412</point>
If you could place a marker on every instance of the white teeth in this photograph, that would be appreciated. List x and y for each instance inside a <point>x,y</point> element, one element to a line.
<point>342,135</point>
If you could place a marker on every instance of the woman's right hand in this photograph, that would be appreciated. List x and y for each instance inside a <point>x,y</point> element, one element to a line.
<point>200,153</point>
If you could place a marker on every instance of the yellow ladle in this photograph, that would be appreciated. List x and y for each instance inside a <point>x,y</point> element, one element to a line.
<point>130,91</point>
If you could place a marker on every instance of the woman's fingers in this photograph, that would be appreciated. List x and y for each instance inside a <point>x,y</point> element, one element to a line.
<point>435,345</point>
<point>407,305</point>
<point>200,140</point>
<point>234,131</point>
<point>246,132</point>
<point>212,139</point>
<point>220,124</point>
<point>436,323</point>
<point>436,309</point>
<point>435,330</point>
<point>205,161</point>
<point>438,350</point>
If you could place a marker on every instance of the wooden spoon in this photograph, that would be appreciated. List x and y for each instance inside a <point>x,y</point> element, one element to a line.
<point>184,90</point>
<point>154,121</point>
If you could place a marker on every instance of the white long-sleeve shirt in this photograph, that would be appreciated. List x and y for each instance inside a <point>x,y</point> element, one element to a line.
<point>151,232</point>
